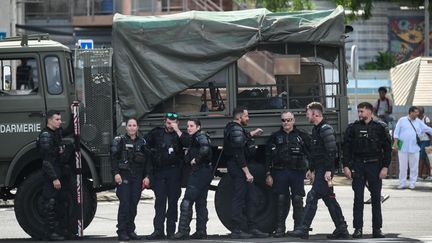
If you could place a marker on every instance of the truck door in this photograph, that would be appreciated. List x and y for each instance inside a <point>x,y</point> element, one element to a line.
<point>22,104</point>
<point>58,91</point>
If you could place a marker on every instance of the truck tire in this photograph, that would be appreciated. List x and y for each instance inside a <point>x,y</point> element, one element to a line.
<point>266,211</point>
<point>28,205</point>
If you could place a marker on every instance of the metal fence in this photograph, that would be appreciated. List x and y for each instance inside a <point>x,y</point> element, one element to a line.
<point>93,79</point>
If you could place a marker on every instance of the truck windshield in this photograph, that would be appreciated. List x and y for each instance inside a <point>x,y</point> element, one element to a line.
<point>19,76</point>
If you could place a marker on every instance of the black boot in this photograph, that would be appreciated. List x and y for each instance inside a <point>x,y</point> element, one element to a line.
<point>133,236</point>
<point>300,232</point>
<point>310,209</point>
<point>51,221</point>
<point>341,231</point>
<point>282,213</point>
<point>377,233</point>
<point>256,233</point>
<point>199,235</point>
<point>184,221</point>
<point>298,210</point>
<point>358,233</point>
<point>239,234</point>
<point>122,236</point>
<point>156,235</point>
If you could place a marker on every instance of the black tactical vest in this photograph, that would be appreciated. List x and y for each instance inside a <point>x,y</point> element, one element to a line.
<point>288,150</point>
<point>367,143</point>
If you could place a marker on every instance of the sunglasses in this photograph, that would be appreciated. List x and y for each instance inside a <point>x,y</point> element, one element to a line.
<point>287,120</point>
<point>172,115</point>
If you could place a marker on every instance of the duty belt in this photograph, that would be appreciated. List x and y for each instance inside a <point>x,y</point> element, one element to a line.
<point>199,166</point>
<point>281,167</point>
<point>375,160</point>
<point>160,167</point>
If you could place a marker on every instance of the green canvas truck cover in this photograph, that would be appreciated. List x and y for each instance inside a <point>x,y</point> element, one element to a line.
<point>156,57</point>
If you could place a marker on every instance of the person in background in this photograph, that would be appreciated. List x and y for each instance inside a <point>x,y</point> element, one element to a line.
<point>406,141</point>
<point>424,162</point>
<point>383,108</point>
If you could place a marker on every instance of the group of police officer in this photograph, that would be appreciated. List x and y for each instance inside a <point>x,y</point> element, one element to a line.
<point>156,161</point>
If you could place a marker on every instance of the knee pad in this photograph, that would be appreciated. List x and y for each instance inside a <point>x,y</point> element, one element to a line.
<point>297,201</point>
<point>311,196</point>
<point>51,204</point>
<point>185,204</point>
<point>192,193</point>
<point>282,198</point>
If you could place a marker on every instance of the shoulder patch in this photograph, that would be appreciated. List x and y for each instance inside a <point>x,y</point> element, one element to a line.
<point>383,124</point>
<point>118,138</point>
<point>325,125</point>
<point>45,134</point>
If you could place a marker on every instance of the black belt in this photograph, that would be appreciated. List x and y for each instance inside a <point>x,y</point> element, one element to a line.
<point>167,166</point>
<point>365,161</point>
<point>281,167</point>
<point>199,166</point>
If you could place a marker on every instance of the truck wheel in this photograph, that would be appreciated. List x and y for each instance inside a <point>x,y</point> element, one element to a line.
<point>29,205</point>
<point>266,211</point>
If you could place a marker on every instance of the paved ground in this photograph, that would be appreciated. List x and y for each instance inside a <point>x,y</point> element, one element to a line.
<point>407,217</point>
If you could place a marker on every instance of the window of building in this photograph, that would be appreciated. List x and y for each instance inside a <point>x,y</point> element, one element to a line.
<point>19,76</point>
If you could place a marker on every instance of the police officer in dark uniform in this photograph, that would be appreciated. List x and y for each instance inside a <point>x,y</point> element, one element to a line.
<point>322,157</point>
<point>286,153</point>
<point>167,145</point>
<point>239,149</point>
<point>199,156</point>
<point>57,174</point>
<point>367,155</point>
<point>131,169</point>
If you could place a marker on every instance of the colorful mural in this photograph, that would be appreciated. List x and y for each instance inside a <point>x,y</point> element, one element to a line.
<point>406,36</point>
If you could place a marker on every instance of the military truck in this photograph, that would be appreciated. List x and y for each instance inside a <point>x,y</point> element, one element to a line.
<point>198,64</point>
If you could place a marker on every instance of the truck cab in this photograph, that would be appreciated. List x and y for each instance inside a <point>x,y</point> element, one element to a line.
<point>36,75</point>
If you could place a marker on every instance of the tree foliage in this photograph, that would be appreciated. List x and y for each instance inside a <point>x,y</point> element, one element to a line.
<point>359,8</point>
<point>285,5</point>
<point>383,61</point>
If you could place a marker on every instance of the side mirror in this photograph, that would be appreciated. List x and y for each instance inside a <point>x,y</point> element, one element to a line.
<point>6,78</point>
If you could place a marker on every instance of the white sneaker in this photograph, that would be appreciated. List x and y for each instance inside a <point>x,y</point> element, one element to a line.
<point>411,187</point>
<point>401,187</point>
<point>429,178</point>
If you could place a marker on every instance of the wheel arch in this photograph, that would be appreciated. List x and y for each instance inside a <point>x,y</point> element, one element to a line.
<point>28,160</point>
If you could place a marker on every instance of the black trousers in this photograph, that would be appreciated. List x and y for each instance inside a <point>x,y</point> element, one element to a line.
<point>167,188</point>
<point>196,192</point>
<point>244,194</point>
<point>65,208</point>
<point>129,194</point>
<point>367,173</point>
<point>321,190</point>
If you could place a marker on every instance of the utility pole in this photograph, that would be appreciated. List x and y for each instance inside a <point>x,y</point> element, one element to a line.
<point>13,21</point>
<point>426,29</point>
